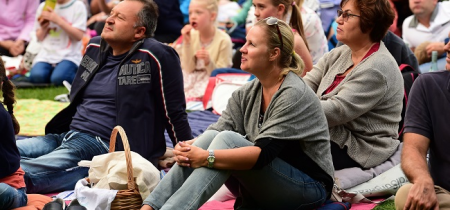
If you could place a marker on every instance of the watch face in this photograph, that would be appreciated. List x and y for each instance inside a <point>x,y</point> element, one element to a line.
<point>211,159</point>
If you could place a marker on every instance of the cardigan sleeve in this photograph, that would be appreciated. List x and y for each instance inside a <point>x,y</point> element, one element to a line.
<point>314,77</point>
<point>358,94</point>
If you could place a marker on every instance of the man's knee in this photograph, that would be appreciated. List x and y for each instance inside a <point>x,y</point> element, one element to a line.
<point>443,197</point>
<point>401,196</point>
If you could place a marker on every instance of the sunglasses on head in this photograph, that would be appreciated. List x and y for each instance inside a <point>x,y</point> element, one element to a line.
<point>274,21</point>
<point>345,14</point>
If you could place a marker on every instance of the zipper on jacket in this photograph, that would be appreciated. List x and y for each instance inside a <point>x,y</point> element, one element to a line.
<point>130,52</point>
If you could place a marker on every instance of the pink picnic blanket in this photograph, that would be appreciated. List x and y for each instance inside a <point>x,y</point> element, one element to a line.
<point>228,205</point>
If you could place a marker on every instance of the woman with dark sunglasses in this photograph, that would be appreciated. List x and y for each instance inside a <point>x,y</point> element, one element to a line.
<point>360,87</point>
<point>271,143</point>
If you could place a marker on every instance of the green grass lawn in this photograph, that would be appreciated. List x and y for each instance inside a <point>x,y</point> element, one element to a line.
<point>386,205</point>
<point>41,93</point>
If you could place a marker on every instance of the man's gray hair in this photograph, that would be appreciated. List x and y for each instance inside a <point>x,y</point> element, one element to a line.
<point>148,17</point>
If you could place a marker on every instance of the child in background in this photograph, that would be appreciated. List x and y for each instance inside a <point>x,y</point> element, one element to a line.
<point>314,33</point>
<point>60,31</point>
<point>12,184</point>
<point>288,11</point>
<point>204,48</point>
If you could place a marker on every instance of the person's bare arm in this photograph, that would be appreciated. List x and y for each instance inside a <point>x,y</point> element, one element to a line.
<point>435,46</point>
<point>414,164</point>
<point>7,44</point>
<point>243,158</point>
<point>42,32</point>
<point>98,6</point>
<point>74,33</point>
<point>95,7</point>
<point>301,49</point>
<point>17,48</point>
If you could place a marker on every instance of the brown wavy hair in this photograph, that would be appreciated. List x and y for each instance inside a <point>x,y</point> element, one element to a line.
<point>376,15</point>
<point>9,99</point>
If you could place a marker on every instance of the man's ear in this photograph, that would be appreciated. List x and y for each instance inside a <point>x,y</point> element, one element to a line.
<point>274,54</point>
<point>139,32</point>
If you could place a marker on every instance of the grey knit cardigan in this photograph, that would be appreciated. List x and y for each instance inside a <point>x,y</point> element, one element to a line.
<point>363,111</point>
<point>294,113</point>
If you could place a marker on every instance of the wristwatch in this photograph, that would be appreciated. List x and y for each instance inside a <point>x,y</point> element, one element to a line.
<point>211,158</point>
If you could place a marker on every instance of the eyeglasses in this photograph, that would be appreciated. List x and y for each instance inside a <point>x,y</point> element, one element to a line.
<point>345,14</point>
<point>274,21</point>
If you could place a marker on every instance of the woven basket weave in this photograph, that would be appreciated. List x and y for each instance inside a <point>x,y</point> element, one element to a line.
<point>130,198</point>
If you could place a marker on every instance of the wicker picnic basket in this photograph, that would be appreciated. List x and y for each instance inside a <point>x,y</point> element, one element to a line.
<point>130,198</point>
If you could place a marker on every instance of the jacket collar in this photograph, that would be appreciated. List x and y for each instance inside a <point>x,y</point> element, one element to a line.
<point>414,22</point>
<point>104,46</point>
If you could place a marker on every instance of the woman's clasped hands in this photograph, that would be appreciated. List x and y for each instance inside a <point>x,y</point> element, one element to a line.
<point>188,155</point>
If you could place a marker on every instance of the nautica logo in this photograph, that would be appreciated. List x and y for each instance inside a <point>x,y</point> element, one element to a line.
<point>136,61</point>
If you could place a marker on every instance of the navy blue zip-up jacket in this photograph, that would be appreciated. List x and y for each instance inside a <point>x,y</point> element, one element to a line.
<point>9,154</point>
<point>150,95</point>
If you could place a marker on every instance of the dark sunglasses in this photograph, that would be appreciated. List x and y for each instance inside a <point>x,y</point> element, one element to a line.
<point>274,21</point>
<point>345,14</point>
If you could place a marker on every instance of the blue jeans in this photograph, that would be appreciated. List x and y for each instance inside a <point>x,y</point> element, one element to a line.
<point>276,186</point>
<point>50,162</point>
<point>47,73</point>
<point>425,67</point>
<point>11,197</point>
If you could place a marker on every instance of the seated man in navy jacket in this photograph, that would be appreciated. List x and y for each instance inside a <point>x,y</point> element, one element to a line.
<point>126,79</point>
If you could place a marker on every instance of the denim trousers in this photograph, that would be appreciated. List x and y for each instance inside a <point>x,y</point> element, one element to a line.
<point>50,162</point>
<point>42,72</point>
<point>11,197</point>
<point>276,186</point>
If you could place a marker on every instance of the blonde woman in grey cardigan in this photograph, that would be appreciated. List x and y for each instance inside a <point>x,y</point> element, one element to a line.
<point>360,87</point>
<point>272,139</point>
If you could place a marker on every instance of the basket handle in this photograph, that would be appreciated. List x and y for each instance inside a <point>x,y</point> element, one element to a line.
<point>126,146</point>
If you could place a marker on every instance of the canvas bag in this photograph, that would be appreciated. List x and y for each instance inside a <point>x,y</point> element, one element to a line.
<point>384,184</point>
<point>125,173</point>
<point>109,171</point>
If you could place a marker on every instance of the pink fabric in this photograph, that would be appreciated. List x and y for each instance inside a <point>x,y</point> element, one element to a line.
<point>217,205</point>
<point>228,205</point>
<point>35,202</point>
<point>17,19</point>
<point>363,206</point>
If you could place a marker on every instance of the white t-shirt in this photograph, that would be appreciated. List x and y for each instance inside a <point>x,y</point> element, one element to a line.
<point>57,45</point>
<point>415,33</point>
<point>312,25</point>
